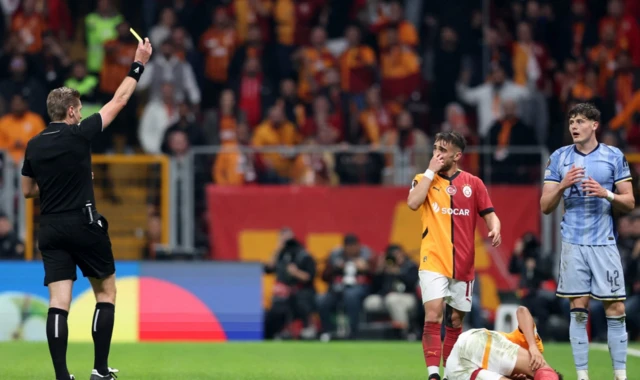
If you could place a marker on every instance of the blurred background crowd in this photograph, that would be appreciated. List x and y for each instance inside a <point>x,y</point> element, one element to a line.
<point>379,74</point>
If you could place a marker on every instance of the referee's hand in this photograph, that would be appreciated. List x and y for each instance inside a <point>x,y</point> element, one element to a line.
<point>143,53</point>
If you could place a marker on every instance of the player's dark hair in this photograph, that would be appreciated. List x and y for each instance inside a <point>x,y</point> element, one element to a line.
<point>587,110</point>
<point>453,138</point>
<point>59,101</point>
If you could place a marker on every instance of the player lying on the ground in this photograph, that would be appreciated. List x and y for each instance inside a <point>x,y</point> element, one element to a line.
<point>481,354</point>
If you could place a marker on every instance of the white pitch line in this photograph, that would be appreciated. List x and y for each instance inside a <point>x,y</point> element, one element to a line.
<point>604,347</point>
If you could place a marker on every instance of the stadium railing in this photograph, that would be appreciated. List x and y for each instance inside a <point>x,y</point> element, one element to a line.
<point>129,189</point>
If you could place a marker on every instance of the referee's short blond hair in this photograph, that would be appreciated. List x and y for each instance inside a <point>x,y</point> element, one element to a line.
<point>59,101</point>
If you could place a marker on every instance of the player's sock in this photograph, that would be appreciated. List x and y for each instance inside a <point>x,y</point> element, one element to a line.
<point>579,339</point>
<point>583,374</point>
<point>450,339</point>
<point>101,330</point>
<point>618,341</point>
<point>432,346</point>
<point>57,337</point>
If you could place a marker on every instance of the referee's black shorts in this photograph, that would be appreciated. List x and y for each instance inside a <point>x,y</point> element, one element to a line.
<point>67,240</point>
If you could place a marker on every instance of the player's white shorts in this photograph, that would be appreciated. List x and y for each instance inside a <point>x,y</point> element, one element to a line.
<point>470,354</point>
<point>457,294</point>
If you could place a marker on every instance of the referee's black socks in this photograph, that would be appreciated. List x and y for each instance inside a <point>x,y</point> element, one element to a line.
<point>58,336</point>
<point>101,330</point>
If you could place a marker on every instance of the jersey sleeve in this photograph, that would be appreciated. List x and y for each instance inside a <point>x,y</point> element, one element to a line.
<point>622,172</point>
<point>27,171</point>
<point>551,172</point>
<point>89,127</point>
<point>416,181</point>
<point>483,202</point>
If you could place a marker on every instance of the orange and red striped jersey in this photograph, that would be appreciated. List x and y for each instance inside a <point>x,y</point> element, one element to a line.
<point>247,14</point>
<point>355,69</point>
<point>315,63</point>
<point>16,131</point>
<point>218,46</point>
<point>30,28</point>
<point>118,59</point>
<point>449,215</point>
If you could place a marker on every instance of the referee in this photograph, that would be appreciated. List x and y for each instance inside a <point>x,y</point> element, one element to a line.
<point>57,168</point>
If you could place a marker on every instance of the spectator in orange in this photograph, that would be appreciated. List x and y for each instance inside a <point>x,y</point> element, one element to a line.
<point>30,25</point>
<point>232,166</point>
<point>293,21</point>
<point>376,119</point>
<point>313,62</point>
<point>530,59</point>
<point>118,60</point>
<point>18,127</point>
<point>628,117</point>
<point>411,142</point>
<point>312,169</point>
<point>217,44</point>
<point>253,13</point>
<point>400,68</point>
<point>275,131</point>
<point>625,81</point>
<point>407,34</point>
<point>626,29</point>
<point>323,119</point>
<point>254,47</point>
<point>604,54</point>
<point>357,67</point>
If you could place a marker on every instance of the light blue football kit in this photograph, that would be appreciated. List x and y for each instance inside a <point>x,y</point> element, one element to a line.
<point>590,264</point>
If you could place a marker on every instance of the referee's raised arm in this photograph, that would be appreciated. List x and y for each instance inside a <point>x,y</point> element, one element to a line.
<point>128,85</point>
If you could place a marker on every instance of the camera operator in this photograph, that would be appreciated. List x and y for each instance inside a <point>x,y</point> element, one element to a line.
<point>348,274</point>
<point>293,292</point>
<point>393,287</point>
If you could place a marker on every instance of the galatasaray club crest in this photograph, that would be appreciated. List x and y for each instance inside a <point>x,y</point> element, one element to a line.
<point>466,190</point>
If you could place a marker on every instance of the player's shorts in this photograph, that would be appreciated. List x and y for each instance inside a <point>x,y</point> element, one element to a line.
<point>591,270</point>
<point>487,353</point>
<point>68,240</point>
<point>457,294</point>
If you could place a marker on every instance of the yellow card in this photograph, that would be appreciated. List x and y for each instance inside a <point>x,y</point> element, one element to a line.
<point>136,35</point>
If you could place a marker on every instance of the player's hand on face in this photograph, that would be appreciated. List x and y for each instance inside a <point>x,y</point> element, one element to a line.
<point>593,189</point>
<point>143,53</point>
<point>495,236</point>
<point>437,162</point>
<point>574,175</point>
<point>537,361</point>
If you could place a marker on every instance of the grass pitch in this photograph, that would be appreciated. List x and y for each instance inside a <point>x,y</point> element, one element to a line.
<point>273,360</point>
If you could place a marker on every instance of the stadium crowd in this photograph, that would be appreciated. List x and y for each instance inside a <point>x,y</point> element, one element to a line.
<point>376,73</point>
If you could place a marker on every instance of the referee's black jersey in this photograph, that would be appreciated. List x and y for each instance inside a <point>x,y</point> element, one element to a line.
<point>59,159</point>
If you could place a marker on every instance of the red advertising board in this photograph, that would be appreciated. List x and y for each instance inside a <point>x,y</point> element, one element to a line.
<point>244,224</point>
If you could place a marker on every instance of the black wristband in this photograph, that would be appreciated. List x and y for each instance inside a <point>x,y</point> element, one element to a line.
<point>136,71</point>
